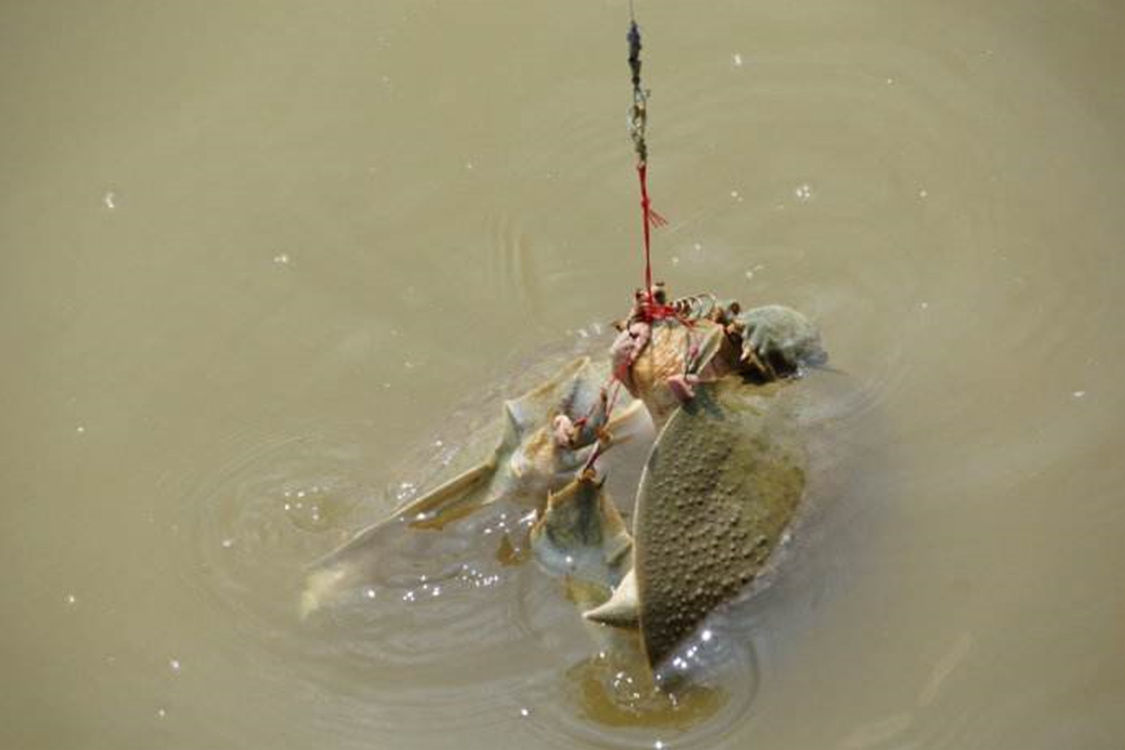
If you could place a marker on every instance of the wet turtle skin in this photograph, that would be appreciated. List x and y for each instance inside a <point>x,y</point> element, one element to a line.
<point>528,464</point>
<point>581,537</point>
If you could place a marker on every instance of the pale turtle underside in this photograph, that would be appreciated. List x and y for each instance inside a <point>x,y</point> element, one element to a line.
<point>526,465</point>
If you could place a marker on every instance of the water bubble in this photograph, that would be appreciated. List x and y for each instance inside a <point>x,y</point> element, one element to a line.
<point>281,259</point>
<point>736,58</point>
<point>110,200</point>
<point>174,665</point>
<point>803,192</point>
<point>1079,394</point>
<point>227,543</point>
<point>161,713</point>
<point>71,599</point>
<point>80,429</point>
<point>525,712</point>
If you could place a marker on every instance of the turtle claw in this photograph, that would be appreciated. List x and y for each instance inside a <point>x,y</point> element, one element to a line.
<point>621,609</point>
<point>682,386</point>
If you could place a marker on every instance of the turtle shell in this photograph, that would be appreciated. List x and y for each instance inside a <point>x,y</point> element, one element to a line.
<point>719,489</point>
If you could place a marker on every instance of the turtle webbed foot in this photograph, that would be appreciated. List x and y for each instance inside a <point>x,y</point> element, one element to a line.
<point>581,537</point>
<point>777,342</point>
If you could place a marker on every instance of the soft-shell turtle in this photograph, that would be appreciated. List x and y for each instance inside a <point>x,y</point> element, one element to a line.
<point>720,485</point>
<point>726,473</point>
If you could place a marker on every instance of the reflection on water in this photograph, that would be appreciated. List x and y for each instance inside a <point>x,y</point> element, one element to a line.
<point>614,696</point>
<point>268,270</point>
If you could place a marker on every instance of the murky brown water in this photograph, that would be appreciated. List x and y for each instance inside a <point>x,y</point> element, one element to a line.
<point>254,257</point>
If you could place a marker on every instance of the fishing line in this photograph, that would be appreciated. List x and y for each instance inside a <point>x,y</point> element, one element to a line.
<point>638,119</point>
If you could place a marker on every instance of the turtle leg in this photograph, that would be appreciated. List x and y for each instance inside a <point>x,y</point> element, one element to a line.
<point>629,423</point>
<point>632,422</point>
<point>683,386</point>
<point>581,538</point>
<point>700,358</point>
<point>757,351</point>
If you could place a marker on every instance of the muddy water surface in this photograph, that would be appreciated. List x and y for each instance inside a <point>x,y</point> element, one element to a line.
<point>265,267</point>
